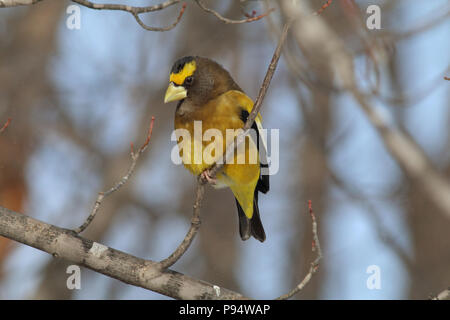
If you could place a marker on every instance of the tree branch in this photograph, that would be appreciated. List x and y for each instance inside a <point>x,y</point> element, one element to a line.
<point>230,21</point>
<point>127,8</point>
<point>195,225</point>
<point>134,158</point>
<point>258,102</point>
<point>7,123</point>
<point>134,11</point>
<point>315,264</point>
<point>323,7</point>
<point>15,3</point>
<point>173,25</point>
<point>63,243</point>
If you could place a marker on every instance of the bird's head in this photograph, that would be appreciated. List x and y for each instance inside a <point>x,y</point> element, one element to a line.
<point>199,79</point>
<point>181,79</point>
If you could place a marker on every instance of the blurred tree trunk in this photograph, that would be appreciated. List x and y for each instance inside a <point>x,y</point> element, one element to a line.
<point>431,245</point>
<point>24,55</point>
<point>429,228</point>
<point>312,185</point>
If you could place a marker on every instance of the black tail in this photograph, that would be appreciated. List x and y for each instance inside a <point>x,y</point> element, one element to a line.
<point>251,227</point>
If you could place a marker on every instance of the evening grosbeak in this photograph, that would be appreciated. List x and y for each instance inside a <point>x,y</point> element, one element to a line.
<point>206,92</point>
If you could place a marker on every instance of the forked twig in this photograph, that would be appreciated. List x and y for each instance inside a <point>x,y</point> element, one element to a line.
<point>173,25</point>
<point>231,21</point>
<point>134,158</point>
<point>136,11</point>
<point>314,265</point>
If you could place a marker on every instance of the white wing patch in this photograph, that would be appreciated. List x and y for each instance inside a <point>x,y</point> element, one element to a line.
<point>262,139</point>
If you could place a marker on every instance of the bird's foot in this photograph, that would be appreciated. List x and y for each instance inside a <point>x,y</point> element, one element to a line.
<point>207,176</point>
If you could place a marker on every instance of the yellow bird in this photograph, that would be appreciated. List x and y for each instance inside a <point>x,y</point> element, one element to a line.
<point>211,102</point>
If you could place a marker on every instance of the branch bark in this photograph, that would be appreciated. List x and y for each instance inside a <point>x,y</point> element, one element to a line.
<point>15,3</point>
<point>63,243</point>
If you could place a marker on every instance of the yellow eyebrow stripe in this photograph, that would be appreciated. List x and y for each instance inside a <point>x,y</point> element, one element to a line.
<point>188,70</point>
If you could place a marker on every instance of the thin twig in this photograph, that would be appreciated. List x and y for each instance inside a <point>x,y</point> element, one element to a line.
<point>323,7</point>
<point>120,183</point>
<point>315,264</point>
<point>135,11</point>
<point>5,125</point>
<point>195,225</point>
<point>258,102</point>
<point>230,21</point>
<point>195,220</point>
<point>173,25</point>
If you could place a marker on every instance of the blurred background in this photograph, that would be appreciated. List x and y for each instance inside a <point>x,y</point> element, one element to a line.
<point>78,98</point>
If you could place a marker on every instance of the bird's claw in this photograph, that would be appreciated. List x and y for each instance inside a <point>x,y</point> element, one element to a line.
<point>207,176</point>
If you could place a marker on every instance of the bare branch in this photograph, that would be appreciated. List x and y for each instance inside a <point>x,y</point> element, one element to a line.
<point>258,102</point>
<point>323,7</point>
<point>135,11</point>
<point>127,8</point>
<point>173,25</point>
<point>66,244</point>
<point>315,264</point>
<point>15,3</point>
<point>230,21</point>
<point>195,225</point>
<point>120,183</point>
<point>410,157</point>
<point>5,125</point>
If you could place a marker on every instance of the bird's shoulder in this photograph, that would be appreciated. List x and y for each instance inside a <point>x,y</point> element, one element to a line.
<point>234,101</point>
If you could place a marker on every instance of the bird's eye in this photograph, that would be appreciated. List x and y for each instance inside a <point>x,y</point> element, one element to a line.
<point>189,80</point>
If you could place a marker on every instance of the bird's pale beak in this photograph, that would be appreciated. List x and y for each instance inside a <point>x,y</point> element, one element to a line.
<point>175,93</point>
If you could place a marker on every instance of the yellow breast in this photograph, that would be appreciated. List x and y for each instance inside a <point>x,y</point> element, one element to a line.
<point>210,129</point>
